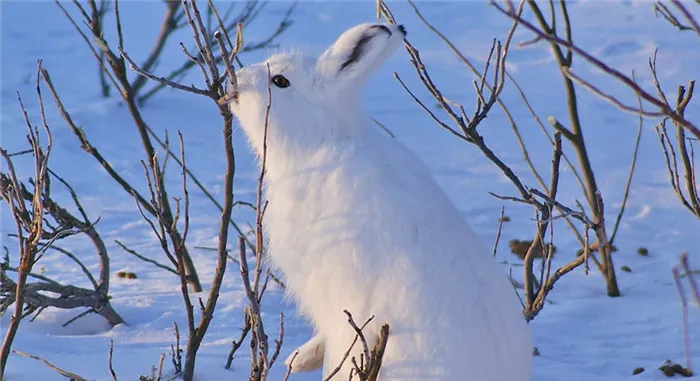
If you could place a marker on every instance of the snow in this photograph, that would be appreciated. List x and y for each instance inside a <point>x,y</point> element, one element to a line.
<point>581,333</point>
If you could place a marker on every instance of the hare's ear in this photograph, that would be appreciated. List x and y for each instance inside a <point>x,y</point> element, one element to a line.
<point>359,52</point>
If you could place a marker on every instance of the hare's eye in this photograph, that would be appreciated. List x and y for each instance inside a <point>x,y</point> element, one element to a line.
<point>280,81</point>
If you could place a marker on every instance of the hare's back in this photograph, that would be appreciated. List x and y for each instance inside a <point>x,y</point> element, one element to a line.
<point>463,290</point>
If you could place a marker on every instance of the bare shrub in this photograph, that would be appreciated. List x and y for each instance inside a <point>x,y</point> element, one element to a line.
<point>680,148</point>
<point>488,85</point>
<point>156,373</point>
<point>220,83</point>
<point>115,69</point>
<point>216,91</point>
<point>367,367</point>
<point>662,106</point>
<point>652,104</point>
<point>174,20</point>
<point>168,217</point>
<point>41,223</point>
<point>113,74</point>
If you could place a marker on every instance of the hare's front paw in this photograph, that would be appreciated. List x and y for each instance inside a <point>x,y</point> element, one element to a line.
<point>307,357</point>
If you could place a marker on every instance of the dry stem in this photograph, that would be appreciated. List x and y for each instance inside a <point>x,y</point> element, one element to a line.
<point>72,376</point>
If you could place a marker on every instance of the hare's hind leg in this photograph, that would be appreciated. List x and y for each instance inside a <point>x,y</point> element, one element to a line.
<point>309,356</point>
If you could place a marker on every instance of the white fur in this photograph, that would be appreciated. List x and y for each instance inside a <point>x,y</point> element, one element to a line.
<point>307,357</point>
<point>356,221</point>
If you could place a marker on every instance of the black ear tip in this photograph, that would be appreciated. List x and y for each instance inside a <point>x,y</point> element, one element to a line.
<point>402,29</point>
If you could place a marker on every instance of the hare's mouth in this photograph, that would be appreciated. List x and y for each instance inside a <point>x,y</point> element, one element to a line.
<point>232,97</point>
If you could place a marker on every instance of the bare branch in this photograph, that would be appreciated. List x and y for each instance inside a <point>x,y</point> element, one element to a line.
<point>630,174</point>
<point>289,368</point>
<point>352,345</point>
<point>684,307</point>
<point>163,80</point>
<point>664,109</point>
<point>249,13</point>
<point>58,370</point>
<point>498,233</point>
<point>688,16</point>
<point>167,27</point>
<point>109,361</point>
<point>141,257</point>
<point>100,57</point>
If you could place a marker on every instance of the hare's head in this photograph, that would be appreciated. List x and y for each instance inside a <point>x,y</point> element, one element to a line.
<point>312,100</point>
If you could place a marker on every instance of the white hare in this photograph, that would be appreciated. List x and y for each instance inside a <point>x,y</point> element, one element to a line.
<point>357,222</point>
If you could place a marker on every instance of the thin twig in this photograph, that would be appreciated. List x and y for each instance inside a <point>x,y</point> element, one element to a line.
<point>498,233</point>
<point>58,370</point>
<point>253,305</point>
<point>80,315</point>
<point>694,24</point>
<point>347,353</point>
<point>135,67</point>
<point>109,361</point>
<point>685,266</point>
<point>167,27</point>
<point>684,308</point>
<point>289,368</point>
<point>630,174</point>
<point>159,374</point>
<point>141,257</point>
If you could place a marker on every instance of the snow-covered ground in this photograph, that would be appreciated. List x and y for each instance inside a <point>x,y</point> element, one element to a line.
<point>581,334</point>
